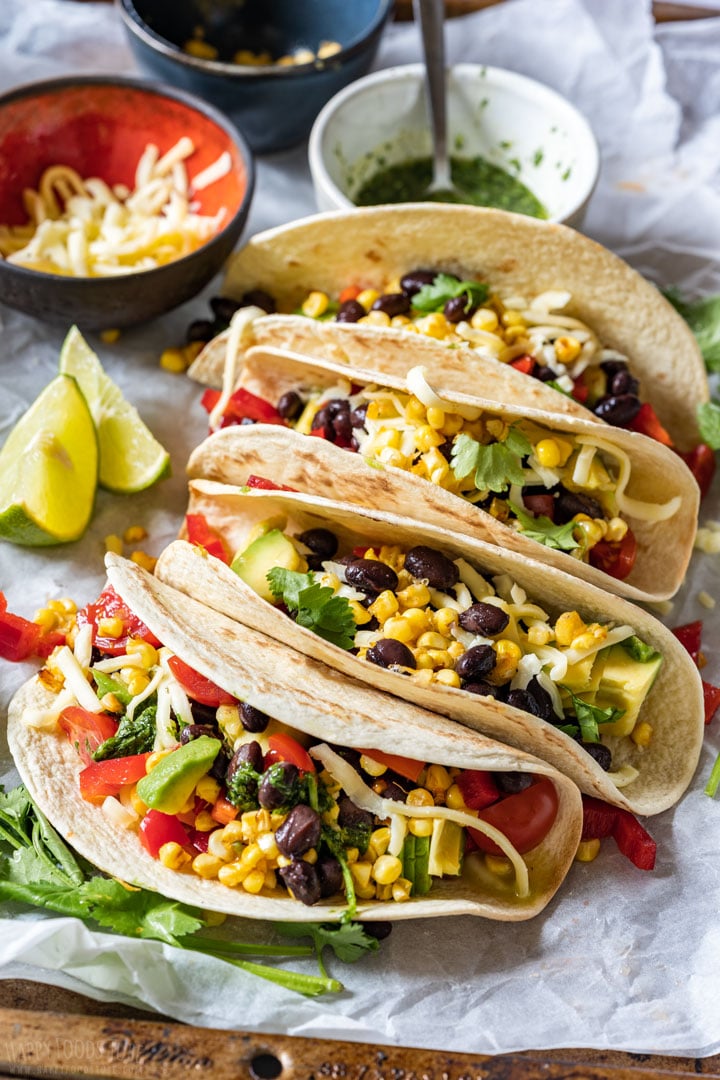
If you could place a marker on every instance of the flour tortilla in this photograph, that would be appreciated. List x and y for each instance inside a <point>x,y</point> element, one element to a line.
<point>310,465</point>
<point>674,706</point>
<point>311,698</point>
<point>514,254</point>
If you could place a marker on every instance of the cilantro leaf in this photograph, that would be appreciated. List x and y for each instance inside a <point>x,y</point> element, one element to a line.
<point>708,418</point>
<point>317,607</point>
<point>703,318</point>
<point>135,912</point>
<point>495,465</point>
<point>556,386</point>
<point>446,287</point>
<point>590,716</point>
<point>545,531</point>
<point>639,650</point>
<point>348,941</point>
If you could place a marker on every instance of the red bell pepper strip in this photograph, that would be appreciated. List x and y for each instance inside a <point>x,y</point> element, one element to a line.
<point>617,558</point>
<point>478,788</point>
<point>202,535</point>
<point>403,766</point>
<point>647,423</point>
<point>107,606</point>
<point>157,829</point>
<point>102,778</point>
<point>711,699</point>
<point>350,292</point>
<point>263,484</point>
<point>598,818</point>
<point>196,686</point>
<point>243,405</point>
<point>601,820</point>
<point>701,463</point>
<point>21,639</point>
<point>580,392</point>
<point>689,636</point>
<point>524,363</point>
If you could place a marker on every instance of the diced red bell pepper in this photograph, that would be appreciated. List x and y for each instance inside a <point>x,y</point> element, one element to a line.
<point>284,748</point>
<point>199,840</point>
<point>350,292</point>
<point>617,558</point>
<point>201,534</point>
<point>197,686</point>
<point>21,639</point>
<point>598,818</point>
<point>580,392</point>
<point>478,788</point>
<point>524,363</point>
<point>243,405</point>
<point>540,505</point>
<point>701,463</point>
<point>646,422</point>
<point>711,698</point>
<point>223,811</point>
<point>157,829</point>
<point>86,730</point>
<point>107,606</point>
<point>263,484</point>
<point>689,635</point>
<point>403,766</point>
<point>102,778</point>
<point>601,820</point>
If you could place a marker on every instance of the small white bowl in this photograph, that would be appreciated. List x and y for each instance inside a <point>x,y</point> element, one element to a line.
<point>512,121</point>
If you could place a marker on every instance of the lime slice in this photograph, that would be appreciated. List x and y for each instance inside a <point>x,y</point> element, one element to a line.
<point>131,458</point>
<point>48,469</point>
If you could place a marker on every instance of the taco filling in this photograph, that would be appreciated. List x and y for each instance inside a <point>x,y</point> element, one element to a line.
<point>565,491</point>
<point>215,788</point>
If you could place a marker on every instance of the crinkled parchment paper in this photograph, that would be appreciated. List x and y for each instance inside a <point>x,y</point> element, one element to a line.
<point>620,959</point>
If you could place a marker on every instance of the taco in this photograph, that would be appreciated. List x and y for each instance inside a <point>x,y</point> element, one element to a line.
<point>519,651</point>
<point>606,505</point>
<point>226,771</point>
<point>555,321</point>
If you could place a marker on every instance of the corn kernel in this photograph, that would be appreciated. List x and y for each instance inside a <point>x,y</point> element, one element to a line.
<point>431,640</point>
<point>205,822</point>
<point>587,850</point>
<point>594,531</point>
<point>207,789</point>
<point>423,676</point>
<point>435,417</point>
<point>441,658</point>
<point>361,615</point>
<point>416,595</point>
<point>367,298</point>
<point>214,918</point>
<point>251,856</point>
<point>372,767</point>
<point>228,718</point>
<point>540,634</point>
<point>361,872</point>
<point>434,325</point>
<point>173,360</point>
<point>420,826</point>
<point>270,879</point>
<point>547,452</point>
<point>112,628</point>
<point>446,677</point>
<point>203,50</point>
<point>141,558</point>
<point>415,410</point>
<point>155,759</point>
<point>254,882</point>
<point>390,437</point>
<point>137,804</point>
<point>173,856</point>
<point>455,649</point>
<point>386,869</point>
<point>419,797</point>
<point>484,319</point>
<point>393,458</point>
<point>384,606</point>
<point>499,865</point>
<point>641,734</point>
<point>111,704</point>
<point>310,856</point>
<point>512,318</point>
<point>352,855</point>
<point>63,606</point>
<point>400,629</point>
<point>437,779</point>
<point>454,798</point>
<point>401,890</point>
<point>231,874</point>
<point>383,892</point>
<point>283,860</point>
<point>445,619</point>
<point>379,839</point>
<point>268,845</point>
<point>567,349</point>
<point>206,865</point>
<point>568,626</point>
<point>315,304</point>
<point>375,318</point>
<point>146,652</point>
<point>46,618</point>
<point>423,661</point>
<point>113,543</point>
<point>616,529</point>
<point>427,438</point>
<point>417,619</point>
<point>109,337</point>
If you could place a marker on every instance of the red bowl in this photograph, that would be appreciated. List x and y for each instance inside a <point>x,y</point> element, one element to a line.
<point>100,127</point>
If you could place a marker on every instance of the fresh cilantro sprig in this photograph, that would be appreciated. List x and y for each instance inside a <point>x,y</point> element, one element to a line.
<point>316,606</point>
<point>589,717</point>
<point>348,940</point>
<point>446,287</point>
<point>494,466</point>
<point>708,418</point>
<point>703,318</point>
<point>545,531</point>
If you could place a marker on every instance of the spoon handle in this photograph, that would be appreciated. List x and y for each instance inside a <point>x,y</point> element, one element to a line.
<point>430,14</point>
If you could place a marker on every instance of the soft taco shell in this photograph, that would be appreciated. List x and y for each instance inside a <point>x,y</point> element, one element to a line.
<point>515,254</point>
<point>674,705</point>
<point>307,464</point>
<point>310,697</point>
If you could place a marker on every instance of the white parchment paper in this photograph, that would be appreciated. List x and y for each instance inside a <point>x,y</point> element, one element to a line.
<point>620,959</point>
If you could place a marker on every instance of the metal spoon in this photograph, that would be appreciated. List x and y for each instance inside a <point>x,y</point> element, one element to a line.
<point>430,15</point>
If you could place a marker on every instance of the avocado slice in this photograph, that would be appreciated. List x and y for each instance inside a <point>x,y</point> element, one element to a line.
<point>408,859</point>
<point>446,848</point>
<point>171,783</point>
<point>267,551</point>
<point>422,860</point>
<point>584,676</point>
<point>624,684</point>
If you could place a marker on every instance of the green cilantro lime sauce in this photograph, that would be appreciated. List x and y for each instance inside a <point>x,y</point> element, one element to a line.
<point>483,184</point>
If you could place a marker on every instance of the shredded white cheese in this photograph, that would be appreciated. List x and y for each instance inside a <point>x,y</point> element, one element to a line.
<point>75,680</point>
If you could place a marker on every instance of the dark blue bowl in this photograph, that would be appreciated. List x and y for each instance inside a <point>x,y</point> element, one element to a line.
<point>274,106</point>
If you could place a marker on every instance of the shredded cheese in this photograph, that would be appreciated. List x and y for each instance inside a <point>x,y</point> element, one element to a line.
<point>75,680</point>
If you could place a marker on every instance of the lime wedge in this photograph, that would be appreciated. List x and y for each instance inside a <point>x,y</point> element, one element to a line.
<point>131,458</point>
<point>48,469</point>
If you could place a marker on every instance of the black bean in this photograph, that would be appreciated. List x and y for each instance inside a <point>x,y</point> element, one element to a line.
<point>521,699</point>
<point>302,880</point>
<point>253,719</point>
<point>271,795</point>
<point>482,618</point>
<point>542,699</point>
<point>392,304</point>
<point>330,875</point>
<point>194,731</point>
<point>512,783</point>
<point>200,330</point>
<point>321,541</point>
<point>431,565</point>
<point>351,815</point>
<point>395,792</point>
<point>378,930</point>
<point>290,405</point>
<point>413,282</point>
<point>459,308</point>
<point>620,410</point>
<point>599,753</point>
<point>544,373</point>
<point>611,367</point>
<point>483,689</point>
<point>223,308</point>
<point>446,448</point>
<point>350,311</point>
<point>342,425</point>
<point>299,832</point>
<point>623,383</point>
<point>259,298</point>
<point>220,766</point>
<point>250,752</point>
<point>390,653</point>
<point>371,575</point>
<point>203,714</point>
<point>349,754</point>
<point>570,503</point>
<point>476,662</point>
<point>359,415</point>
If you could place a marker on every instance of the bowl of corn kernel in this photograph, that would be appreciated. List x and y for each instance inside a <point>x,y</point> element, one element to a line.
<point>119,199</point>
<point>270,67</point>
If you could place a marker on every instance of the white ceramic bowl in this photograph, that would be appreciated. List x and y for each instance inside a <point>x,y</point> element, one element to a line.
<point>512,121</point>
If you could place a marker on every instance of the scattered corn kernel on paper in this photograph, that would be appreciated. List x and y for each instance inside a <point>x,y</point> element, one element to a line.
<point>620,959</point>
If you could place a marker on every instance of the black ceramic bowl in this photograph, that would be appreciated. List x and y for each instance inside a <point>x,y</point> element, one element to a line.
<point>100,127</point>
<point>274,106</point>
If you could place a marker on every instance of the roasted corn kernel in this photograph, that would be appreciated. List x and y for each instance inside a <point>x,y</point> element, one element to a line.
<point>587,850</point>
<point>173,856</point>
<point>315,304</point>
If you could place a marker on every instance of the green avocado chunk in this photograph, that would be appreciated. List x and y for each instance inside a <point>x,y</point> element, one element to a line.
<point>422,862</point>
<point>624,684</point>
<point>171,783</point>
<point>267,551</point>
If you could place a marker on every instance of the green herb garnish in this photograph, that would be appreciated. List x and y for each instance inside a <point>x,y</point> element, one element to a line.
<point>703,318</point>
<point>495,465</point>
<point>545,531</point>
<point>446,287</point>
<point>714,779</point>
<point>708,418</point>
<point>318,609</point>
<point>589,717</point>
<point>639,650</point>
